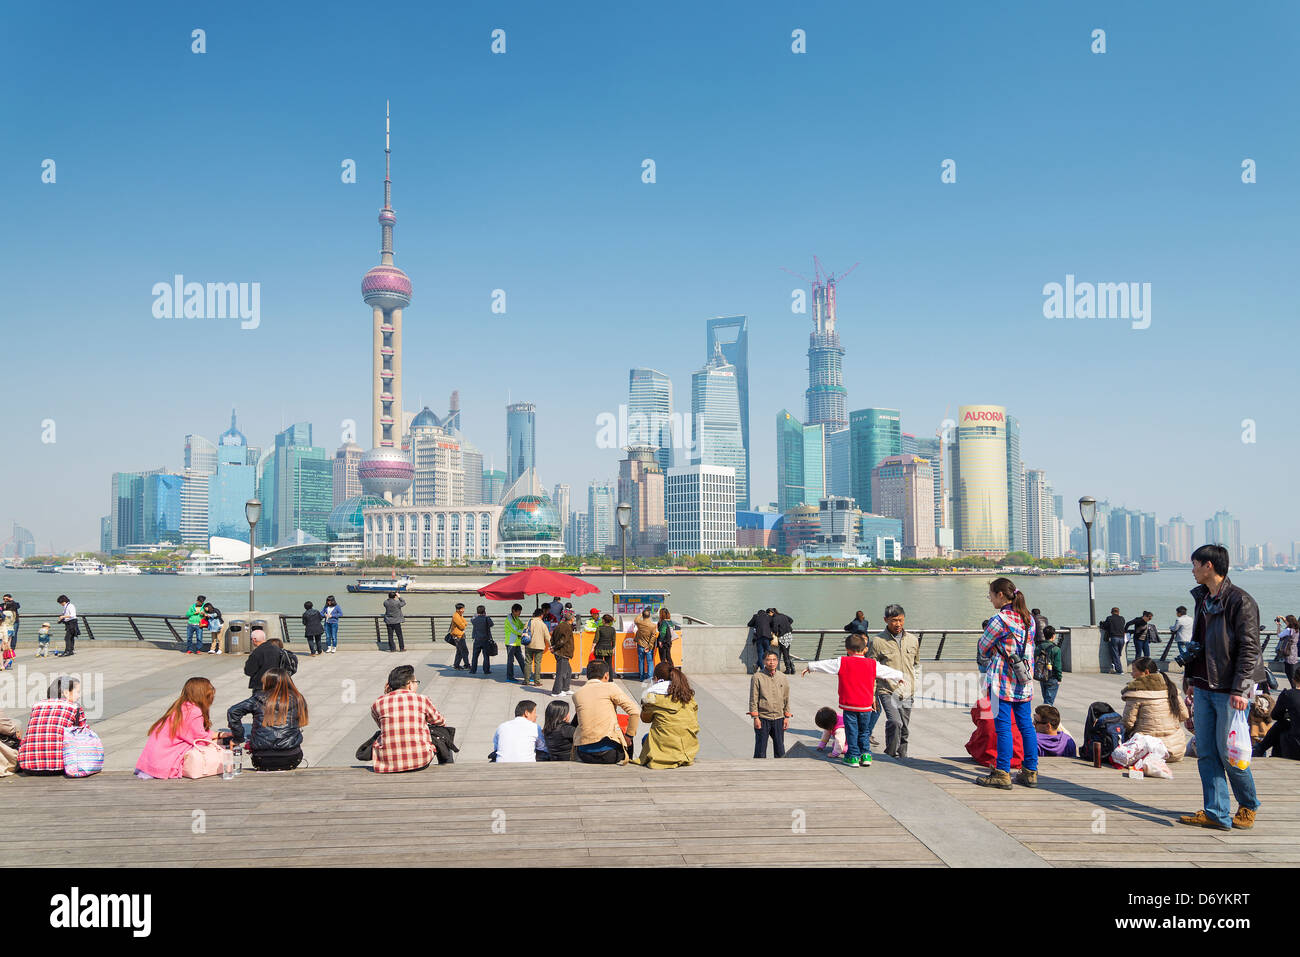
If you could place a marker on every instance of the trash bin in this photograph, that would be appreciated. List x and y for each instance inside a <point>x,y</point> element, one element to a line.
<point>237,633</point>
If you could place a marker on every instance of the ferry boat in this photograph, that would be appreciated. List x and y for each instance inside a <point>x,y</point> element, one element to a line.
<point>384,585</point>
<point>125,569</point>
<point>81,566</point>
<point>207,566</point>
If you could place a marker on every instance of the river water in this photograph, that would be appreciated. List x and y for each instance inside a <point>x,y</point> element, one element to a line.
<point>813,601</point>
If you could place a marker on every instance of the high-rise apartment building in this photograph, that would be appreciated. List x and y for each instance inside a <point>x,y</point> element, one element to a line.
<point>902,487</point>
<point>1176,541</point>
<point>701,509</point>
<point>600,515</point>
<point>731,333</point>
<point>346,481</point>
<point>1017,540</point>
<point>1223,529</point>
<point>1042,528</point>
<point>560,497</point>
<point>650,413</point>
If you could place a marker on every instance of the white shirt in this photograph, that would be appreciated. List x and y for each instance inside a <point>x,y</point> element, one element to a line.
<point>518,740</point>
<point>832,667</point>
<point>69,612</point>
<point>1182,628</point>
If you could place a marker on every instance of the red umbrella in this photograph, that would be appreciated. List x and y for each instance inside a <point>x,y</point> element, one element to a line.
<point>536,581</point>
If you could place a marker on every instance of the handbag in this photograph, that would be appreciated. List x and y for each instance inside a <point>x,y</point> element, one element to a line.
<point>203,760</point>
<point>367,751</point>
<point>83,753</point>
<point>492,649</point>
<point>449,639</point>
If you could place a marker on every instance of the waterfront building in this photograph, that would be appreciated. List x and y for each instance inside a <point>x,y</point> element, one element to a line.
<point>194,507</point>
<point>873,435</point>
<point>1017,540</point>
<point>600,516</point>
<point>826,399</point>
<point>715,408</point>
<point>105,535</point>
<point>700,501</point>
<point>731,334</point>
<point>297,488</point>
<point>521,439</point>
<point>650,413</point>
<point>228,491</point>
<point>933,450</point>
<point>981,480</point>
<point>641,485</point>
<point>437,462</point>
<point>200,455</point>
<point>755,529</point>
<point>232,446</point>
<point>472,466</point>
<point>385,470</point>
<point>429,535</point>
<point>347,484</point>
<point>1042,527</point>
<point>902,487</point>
<point>560,498</point>
<point>798,528</point>
<point>21,544</point>
<point>908,443</point>
<point>162,500</point>
<point>127,509</point>
<point>814,462</point>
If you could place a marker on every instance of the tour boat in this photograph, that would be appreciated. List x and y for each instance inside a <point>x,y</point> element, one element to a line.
<point>384,585</point>
<point>81,566</point>
<point>125,569</point>
<point>207,566</point>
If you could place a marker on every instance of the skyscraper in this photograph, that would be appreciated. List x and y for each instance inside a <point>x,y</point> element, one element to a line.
<point>1176,540</point>
<point>162,508</point>
<point>981,492</point>
<point>436,458</point>
<point>386,470</point>
<point>346,482</point>
<point>297,489</point>
<point>902,487</point>
<point>873,434</point>
<point>839,464</point>
<point>700,509</point>
<point>560,497</point>
<point>494,486</point>
<point>932,449</point>
<point>715,409</point>
<point>650,412</point>
<point>1041,525</point>
<point>194,506</point>
<point>814,462</point>
<point>521,439</point>
<point>472,462</point>
<point>1016,539</point>
<point>233,485</point>
<point>200,455</point>
<point>641,485</point>
<point>600,516</point>
<point>732,334</point>
<point>1223,529</point>
<point>789,462</point>
<point>826,398</point>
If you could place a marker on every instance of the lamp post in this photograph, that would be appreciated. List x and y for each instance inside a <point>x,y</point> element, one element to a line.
<point>1088,512</point>
<point>252,512</point>
<point>624,516</point>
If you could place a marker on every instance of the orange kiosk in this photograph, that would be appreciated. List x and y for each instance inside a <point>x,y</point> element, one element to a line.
<point>627,607</point>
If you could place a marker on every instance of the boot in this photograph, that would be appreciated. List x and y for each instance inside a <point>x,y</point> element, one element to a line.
<point>1028,778</point>
<point>995,779</point>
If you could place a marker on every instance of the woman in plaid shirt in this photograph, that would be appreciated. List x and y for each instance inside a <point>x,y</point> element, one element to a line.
<point>42,748</point>
<point>404,716</point>
<point>1010,632</point>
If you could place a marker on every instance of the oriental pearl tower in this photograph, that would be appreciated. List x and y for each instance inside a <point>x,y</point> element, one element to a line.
<point>386,470</point>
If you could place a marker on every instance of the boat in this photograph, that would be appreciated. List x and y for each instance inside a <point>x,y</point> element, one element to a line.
<point>81,566</point>
<point>208,566</point>
<point>384,585</point>
<point>125,569</point>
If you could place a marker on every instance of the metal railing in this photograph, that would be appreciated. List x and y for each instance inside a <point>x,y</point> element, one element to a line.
<point>124,626</point>
<point>959,644</point>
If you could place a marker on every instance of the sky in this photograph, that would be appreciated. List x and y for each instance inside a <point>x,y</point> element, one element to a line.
<point>522,171</point>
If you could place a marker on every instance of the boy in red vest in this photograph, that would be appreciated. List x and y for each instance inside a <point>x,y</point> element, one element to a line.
<point>857,694</point>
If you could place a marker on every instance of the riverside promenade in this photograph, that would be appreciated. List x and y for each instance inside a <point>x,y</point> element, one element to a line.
<point>727,809</point>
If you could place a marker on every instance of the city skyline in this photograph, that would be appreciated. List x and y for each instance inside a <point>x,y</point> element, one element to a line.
<point>950,283</point>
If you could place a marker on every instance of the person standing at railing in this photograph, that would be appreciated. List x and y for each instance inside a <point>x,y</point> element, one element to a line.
<point>70,627</point>
<point>1181,630</point>
<point>393,619</point>
<point>1112,629</point>
<point>213,616</point>
<point>1143,634</point>
<point>514,644</point>
<point>482,635</point>
<point>313,625</point>
<point>10,605</point>
<point>901,650</point>
<point>782,625</point>
<point>761,622</point>
<point>194,627</point>
<point>859,625</point>
<point>331,613</point>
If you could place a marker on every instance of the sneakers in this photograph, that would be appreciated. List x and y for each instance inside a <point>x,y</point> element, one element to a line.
<point>1244,818</point>
<point>1201,819</point>
<point>995,779</point>
<point>865,761</point>
<point>849,762</point>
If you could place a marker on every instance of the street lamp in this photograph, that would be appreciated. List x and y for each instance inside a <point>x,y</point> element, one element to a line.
<point>252,512</point>
<point>624,511</point>
<point>1088,512</point>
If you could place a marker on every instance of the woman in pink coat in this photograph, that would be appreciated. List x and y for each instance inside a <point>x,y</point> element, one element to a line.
<point>176,732</point>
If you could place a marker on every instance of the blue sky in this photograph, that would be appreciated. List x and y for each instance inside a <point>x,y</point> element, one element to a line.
<point>522,172</point>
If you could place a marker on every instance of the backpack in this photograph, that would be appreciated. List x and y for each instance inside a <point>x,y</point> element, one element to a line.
<point>288,661</point>
<point>1042,664</point>
<point>1104,725</point>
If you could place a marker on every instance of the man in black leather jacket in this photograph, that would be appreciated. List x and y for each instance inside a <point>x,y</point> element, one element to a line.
<point>1222,676</point>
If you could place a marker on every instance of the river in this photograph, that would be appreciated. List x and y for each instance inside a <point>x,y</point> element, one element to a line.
<point>812,601</point>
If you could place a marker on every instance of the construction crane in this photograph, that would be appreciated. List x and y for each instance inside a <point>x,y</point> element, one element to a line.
<point>823,288</point>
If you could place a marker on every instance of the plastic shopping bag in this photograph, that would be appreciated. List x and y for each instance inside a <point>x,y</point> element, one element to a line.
<point>1239,745</point>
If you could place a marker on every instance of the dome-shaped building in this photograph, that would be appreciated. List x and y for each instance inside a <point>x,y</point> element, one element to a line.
<point>529,527</point>
<point>385,471</point>
<point>346,523</point>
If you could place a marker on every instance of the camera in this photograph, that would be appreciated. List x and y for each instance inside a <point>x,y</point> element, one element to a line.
<point>1192,654</point>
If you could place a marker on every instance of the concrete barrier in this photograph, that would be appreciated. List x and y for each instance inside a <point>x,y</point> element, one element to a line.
<point>716,650</point>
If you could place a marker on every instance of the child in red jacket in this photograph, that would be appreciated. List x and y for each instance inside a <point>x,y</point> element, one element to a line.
<point>857,675</point>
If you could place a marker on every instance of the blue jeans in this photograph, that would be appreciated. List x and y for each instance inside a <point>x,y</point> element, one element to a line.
<point>1022,712</point>
<point>1141,649</point>
<point>515,653</point>
<point>1117,654</point>
<point>1210,713</point>
<point>858,726</point>
<point>645,662</point>
<point>332,633</point>
<point>193,637</point>
<point>1049,689</point>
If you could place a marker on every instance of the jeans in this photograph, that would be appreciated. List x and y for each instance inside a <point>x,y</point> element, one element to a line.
<point>858,726</point>
<point>534,672</point>
<point>1141,648</point>
<point>515,653</point>
<point>761,647</point>
<point>1117,654</point>
<point>395,630</point>
<point>1212,711</point>
<point>645,662</point>
<point>480,648</point>
<point>332,633</point>
<point>13,639</point>
<point>313,644</point>
<point>1022,713</point>
<point>563,675</point>
<point>193,638</point>
<point>898,713</point>
<point>1049,687</point>
<point>771,728</point>
<point>462,653</point>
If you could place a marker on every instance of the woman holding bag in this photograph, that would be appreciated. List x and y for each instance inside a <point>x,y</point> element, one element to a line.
<point>185,726</point>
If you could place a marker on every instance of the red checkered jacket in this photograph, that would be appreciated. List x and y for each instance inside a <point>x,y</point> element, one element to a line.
<point>42,747</point>
<point>403,718</point>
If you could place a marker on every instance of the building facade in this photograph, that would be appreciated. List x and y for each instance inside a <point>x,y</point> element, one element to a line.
<point>715,410</point>
<point>650,413</point>
<point>641,485</point>
<point>873,435</point>
<point>521,439</point>
<point>600,516</point>
<point>700,502</point>
<point>346,482</point>
<point>981,492</point>
<point>902,487</point>
<point>731,334</point>
<point>432,535</point>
